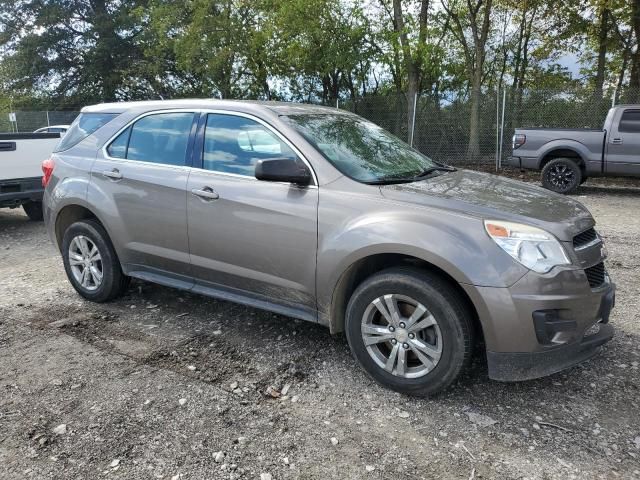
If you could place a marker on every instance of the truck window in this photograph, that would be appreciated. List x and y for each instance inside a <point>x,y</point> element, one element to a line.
<point>630,121</point>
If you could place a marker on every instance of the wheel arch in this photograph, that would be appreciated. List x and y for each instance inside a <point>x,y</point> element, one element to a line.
<point>564,152</point>
<point>70,214</point>
<point>364,267</point>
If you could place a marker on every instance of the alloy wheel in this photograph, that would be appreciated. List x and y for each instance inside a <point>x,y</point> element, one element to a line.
<point>85,261</point>
<point>401,336</point>
<point>561,176</point>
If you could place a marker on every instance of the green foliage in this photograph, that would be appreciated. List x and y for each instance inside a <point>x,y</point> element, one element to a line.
<point>68,53</point>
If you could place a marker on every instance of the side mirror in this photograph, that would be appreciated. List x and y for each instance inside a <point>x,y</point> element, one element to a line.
<point>283,170</point>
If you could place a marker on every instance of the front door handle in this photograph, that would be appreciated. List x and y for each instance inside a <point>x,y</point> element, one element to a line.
<point>113,174</point>
<point>206,193</point>
<point>617,141</point>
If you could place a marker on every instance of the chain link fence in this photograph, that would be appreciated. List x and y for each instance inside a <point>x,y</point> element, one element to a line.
<point>442,124</point>
<point>25,121</point>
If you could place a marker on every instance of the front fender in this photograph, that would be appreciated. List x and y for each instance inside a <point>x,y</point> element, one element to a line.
<point>456,244</point>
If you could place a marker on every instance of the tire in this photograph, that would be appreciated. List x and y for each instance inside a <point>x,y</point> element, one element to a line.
<point>561,175</point>
<point>452,334</point>
<point>33,211</point>
<point>112,282</point>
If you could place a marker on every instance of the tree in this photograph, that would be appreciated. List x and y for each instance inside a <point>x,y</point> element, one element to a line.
<point>634,81</point>
<point>472,20</point>
<point>73,50</point>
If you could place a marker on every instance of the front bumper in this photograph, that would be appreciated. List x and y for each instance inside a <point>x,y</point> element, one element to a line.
<point>533,335</point>
<point>509,367</point>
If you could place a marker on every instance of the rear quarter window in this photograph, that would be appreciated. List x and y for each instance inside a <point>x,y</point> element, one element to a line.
<point>83,126</point>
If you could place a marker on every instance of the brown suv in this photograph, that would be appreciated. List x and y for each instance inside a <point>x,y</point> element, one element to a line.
<point>317,214</point>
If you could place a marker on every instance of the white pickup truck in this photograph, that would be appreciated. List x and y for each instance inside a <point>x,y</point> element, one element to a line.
<point>21,156</point>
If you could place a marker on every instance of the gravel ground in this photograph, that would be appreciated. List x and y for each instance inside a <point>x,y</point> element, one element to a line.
<point>164,384</point>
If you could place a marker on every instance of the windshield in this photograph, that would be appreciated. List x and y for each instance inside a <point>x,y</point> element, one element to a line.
<point>83,126</point>
<point>360,149</point>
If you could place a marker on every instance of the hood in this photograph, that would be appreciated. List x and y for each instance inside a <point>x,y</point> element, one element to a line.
<point>498,198</point>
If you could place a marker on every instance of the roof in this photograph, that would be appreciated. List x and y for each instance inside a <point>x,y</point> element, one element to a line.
<point>280,108</point>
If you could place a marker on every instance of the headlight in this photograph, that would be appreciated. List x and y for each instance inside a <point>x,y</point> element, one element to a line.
<point>532,247</point>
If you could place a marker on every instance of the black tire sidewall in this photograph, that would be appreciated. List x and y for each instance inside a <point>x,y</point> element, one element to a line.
<point>33,211</point>
<point>454,326</point>
<point>577,175</point>
<point>111,273</point>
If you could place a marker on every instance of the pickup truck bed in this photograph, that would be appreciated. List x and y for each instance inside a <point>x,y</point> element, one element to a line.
<point>21,155</point>
<point>567,157</point>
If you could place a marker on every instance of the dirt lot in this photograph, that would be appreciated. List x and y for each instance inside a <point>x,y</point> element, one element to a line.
<point>164,384</point>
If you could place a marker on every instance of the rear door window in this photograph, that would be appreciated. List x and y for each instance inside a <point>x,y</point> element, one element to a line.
<point>630,121</point>
<point>158,138</point>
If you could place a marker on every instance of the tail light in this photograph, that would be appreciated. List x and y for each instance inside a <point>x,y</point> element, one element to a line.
<point>518,140</point>
<point>47,170</point>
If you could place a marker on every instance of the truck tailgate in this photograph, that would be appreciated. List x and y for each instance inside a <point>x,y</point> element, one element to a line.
<point>21,154</point>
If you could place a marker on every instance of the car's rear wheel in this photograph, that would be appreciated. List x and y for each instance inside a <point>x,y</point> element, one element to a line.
<point>561,175</point>
<point>410,330</point>
<point>33,211</point>
<point>91,262</point>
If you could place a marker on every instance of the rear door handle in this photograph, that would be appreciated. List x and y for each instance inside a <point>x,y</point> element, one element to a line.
<point>206,193</point>
<point>617,141</point>
<point>112,174</point>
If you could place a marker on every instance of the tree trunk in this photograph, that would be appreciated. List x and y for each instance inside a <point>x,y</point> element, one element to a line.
<point>480,36</point>
<point>412,60</point>
<point>473,150</point>
<point>634,82</point>
<point>602,53</point>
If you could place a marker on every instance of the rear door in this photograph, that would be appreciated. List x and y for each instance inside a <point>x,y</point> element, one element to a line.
<point>623,143</point>
<point>139,184</point>
<point>250,238</point>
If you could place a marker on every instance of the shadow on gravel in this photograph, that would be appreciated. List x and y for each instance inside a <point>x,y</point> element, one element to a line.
<point>215,342</point>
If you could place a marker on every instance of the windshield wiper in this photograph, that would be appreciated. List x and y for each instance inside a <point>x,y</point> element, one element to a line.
<point>438,168</point>
<point>390,180</point>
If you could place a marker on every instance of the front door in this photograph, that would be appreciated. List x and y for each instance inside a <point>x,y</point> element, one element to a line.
<point>250,238</point>
<point>623,144</point>
<point>140,183</point>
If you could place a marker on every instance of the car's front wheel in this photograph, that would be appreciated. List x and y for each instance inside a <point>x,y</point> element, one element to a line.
<point>91,262</point>
<point>410,330</point>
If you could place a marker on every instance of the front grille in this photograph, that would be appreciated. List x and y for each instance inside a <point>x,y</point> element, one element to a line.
<point>596,275</point>
<point>584,238</point>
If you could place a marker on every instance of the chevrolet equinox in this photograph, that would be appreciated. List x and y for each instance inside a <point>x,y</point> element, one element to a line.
<point>318,214</point>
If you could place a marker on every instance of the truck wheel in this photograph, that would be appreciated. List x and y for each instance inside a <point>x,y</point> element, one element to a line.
<point>561,175</point>
<point>91,262</point>
<point>33,211</point>
<point>409,330</point>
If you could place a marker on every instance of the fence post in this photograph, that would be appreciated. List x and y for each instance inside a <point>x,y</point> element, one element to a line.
<point>497,126</point>
<point>613,99</point>
<point>413,120</point>
<point>48,124</point>
<point>504,101</point>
